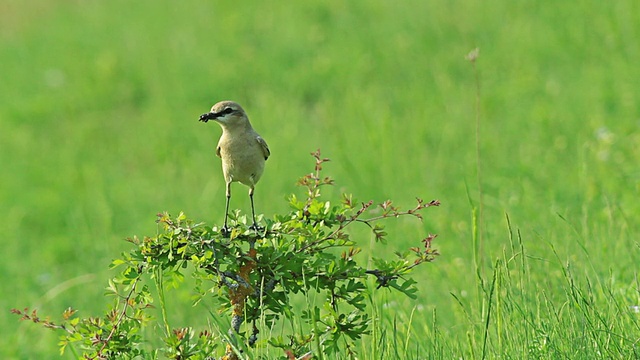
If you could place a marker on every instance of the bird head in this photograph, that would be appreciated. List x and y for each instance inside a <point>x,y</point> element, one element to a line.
<point>227,114</point>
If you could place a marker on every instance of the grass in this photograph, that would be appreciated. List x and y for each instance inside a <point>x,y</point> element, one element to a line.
<point>99,132</point>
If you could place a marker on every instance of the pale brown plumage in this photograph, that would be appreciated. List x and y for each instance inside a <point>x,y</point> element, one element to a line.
<point>242,150</point>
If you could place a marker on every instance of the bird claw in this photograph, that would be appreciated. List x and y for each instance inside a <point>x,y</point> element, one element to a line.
<point>225,231</point>
<point>256,227</point>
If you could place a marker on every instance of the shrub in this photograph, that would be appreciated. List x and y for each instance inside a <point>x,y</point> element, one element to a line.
<point>254,277</point>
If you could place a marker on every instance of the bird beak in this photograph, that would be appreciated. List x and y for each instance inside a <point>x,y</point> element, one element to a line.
<point>208,116</point>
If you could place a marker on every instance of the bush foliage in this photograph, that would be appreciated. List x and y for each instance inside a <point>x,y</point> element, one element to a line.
<point>255,277</point>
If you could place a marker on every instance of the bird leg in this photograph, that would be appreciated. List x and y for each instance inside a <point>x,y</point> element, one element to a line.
<point>225,231</point>
<point>255,225</point>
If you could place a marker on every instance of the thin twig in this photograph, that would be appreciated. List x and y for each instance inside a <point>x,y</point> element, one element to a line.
<point>120,317</point>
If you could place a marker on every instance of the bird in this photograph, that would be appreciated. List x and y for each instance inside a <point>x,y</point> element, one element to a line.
<point>242,150</point>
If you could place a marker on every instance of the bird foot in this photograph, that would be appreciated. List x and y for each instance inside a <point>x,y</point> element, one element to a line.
<point>225,231</point>
<point>256,227</point>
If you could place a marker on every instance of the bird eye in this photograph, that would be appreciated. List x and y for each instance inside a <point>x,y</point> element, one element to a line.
<point>227,111</point>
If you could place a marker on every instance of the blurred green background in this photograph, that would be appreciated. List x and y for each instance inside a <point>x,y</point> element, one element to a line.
<point>99,102</point>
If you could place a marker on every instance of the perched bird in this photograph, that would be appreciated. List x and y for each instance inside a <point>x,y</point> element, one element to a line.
<point>242,150</point>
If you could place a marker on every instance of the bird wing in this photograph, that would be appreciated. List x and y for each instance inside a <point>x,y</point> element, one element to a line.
<point>265,148</point>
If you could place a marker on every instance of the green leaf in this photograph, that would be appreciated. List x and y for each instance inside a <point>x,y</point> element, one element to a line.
<point>406,287</point>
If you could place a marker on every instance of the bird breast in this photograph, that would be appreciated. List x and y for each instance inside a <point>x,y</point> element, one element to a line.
<point>242,158</point>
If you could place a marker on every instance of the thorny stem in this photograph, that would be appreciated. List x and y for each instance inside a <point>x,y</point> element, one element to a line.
<point>315,177</point>
<point>365,206</point>
<point>46,323</point>
<point>121,316</point>
<point>401,213</point>
<point>238,297</point>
